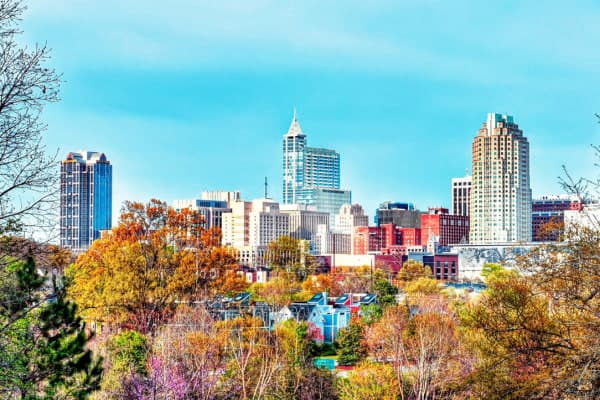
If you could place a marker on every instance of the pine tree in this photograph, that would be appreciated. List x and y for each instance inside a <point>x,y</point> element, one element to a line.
<point>43,342</point>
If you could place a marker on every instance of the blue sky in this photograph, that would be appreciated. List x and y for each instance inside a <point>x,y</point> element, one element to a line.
<point>186,96</point>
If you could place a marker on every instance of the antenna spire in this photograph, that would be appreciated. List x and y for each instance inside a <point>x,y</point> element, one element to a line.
<point>266,188</point>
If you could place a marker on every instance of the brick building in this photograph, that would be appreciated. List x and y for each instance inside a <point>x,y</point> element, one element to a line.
<point>447,228</point>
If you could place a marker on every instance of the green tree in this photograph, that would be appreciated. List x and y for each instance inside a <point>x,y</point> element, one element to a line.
<point>127,359</point>
<point>490,268</point>
<point>43,343</point>
<point>351,343</point>
<point>386,292</point>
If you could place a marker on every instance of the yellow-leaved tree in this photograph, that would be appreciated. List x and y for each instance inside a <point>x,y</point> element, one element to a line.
<point>154,259</point>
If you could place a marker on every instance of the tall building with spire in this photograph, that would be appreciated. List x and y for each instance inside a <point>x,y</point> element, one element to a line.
<point>311,175</point>
<point>294,149</point>
<point>85,198</point>
<point>500,209</point>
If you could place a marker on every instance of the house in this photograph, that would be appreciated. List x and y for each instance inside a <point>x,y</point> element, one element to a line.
<point>324,319</point>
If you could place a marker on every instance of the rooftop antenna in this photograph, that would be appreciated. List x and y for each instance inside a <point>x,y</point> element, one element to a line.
<point>266,188</point>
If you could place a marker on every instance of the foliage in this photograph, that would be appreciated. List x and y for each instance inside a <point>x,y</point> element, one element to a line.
<point>254,359</point>
<point>278,291</point>
<point>43,344</point>
<point>354,280</point>
<point>296,348</point>
<point>371,313</point>
<point>317,384</point>
<point>422,344</point>
<point>386,292</point>
<point>422,287</point>
<point>369,381</point>
<point>539,330</point>
<point>290,258</point>
<point>412,270</point>
<point>127,355</point>
<point>155,257</point>
<point>490,268</point>
<point>128,351</point>
<point>316,284</point>
<point>350,342</point>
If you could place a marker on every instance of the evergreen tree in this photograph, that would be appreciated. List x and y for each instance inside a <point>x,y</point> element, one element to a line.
<point>351,344</point>
<point>43,342</point>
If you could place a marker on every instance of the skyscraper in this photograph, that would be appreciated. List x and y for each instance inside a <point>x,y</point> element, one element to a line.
<point>85,198</point>
<point>500,208</point>
<point>461,194</point>
<point>311,175</point>
<point>294,147</point>
<point>321,168</point>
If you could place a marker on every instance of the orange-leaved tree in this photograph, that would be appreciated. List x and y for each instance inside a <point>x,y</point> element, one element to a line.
<point>154,259</point>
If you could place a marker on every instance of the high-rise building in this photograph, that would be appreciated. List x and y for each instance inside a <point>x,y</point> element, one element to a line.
<point>311,175</point>
<point>325,199</point>
<point>294,147</point>
<point>461,194</point>
<point>251,226</point>
<point>349,217</point>
<point>398,213</point>
<point>500,209</point>
<point>85,198</point>
<point>304,222</point>
<point>236,224</point>
<point>267,222</point>
<point>211,210</point>
<point>321,168</point>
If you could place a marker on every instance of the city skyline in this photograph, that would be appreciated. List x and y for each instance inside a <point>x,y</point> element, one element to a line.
<point>399,103</point>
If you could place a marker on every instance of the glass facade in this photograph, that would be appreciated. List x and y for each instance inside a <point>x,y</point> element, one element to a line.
<point>309,171</point>
<point>85,199</point>
<point>325,199</point>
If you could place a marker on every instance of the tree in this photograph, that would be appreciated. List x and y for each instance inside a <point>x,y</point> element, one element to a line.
<point>295,345</point>
<point>27,175</point>
<point>522,348</point>
<point>422,287</point>
<point>351,344</point>
<point>277,291</point>
<point>412,270</point>
<point>422,345</point>
<point>316,284</point>
<point>127,359</point>
<point>386,292</point>
<point>153,259</point>
<point>490,268</point>
<point>193,346</point>
<point>43,343</point>
<point>355,279</point>
<point>254,359</point>
<point>369,381</point>
<point>290,258</point>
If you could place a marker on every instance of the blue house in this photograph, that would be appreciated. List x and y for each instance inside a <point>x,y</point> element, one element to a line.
<point>324,319</point>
